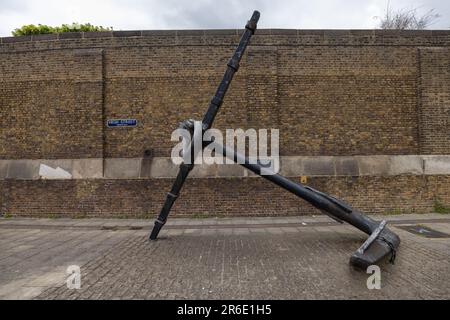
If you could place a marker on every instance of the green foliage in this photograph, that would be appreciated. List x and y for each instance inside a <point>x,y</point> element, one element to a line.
<point>32,29</point>
<point>439,207</point>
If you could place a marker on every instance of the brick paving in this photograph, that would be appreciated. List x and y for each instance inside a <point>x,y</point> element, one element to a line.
<point>239,258</point>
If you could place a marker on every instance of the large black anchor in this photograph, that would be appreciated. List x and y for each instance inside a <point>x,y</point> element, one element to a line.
<point>381,241</point>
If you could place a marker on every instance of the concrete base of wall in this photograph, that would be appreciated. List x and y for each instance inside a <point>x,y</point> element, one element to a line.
<point>90,187</point>
<point>160,167</point>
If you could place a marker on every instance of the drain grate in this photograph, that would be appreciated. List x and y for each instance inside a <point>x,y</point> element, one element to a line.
<point>424,231</point>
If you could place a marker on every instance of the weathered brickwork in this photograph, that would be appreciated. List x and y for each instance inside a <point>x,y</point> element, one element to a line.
<point>51,104</point>
<point>325,100</point>
<point>348,100</point>
<point>219,197</point>
<point>329,92</point>
<point>435,100</point>
<point>2,195</point>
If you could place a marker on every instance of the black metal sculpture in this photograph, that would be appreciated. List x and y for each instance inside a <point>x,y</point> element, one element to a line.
<point>381,241</point>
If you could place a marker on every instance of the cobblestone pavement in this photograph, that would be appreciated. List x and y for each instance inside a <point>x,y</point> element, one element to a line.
<point>242,258</point>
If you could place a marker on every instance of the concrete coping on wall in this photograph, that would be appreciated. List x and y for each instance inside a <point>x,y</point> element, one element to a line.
<point>321,33</point>
<point>162,167</point>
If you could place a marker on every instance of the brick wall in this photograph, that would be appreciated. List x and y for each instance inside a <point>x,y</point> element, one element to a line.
<point>219,197</point>
<point>329,93</point>
<point>434,114</point>
<point>339,93</point>
<point>51,104</point>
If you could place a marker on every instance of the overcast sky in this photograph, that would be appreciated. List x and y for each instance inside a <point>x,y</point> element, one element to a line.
<point>209,14</point>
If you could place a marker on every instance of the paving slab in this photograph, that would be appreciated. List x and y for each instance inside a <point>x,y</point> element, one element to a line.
<point>217,259</point>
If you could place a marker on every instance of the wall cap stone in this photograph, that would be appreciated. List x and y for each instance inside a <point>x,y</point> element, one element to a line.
<point>322,33</point>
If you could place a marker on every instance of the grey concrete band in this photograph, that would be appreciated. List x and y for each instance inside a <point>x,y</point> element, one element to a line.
<point>161,167</point>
